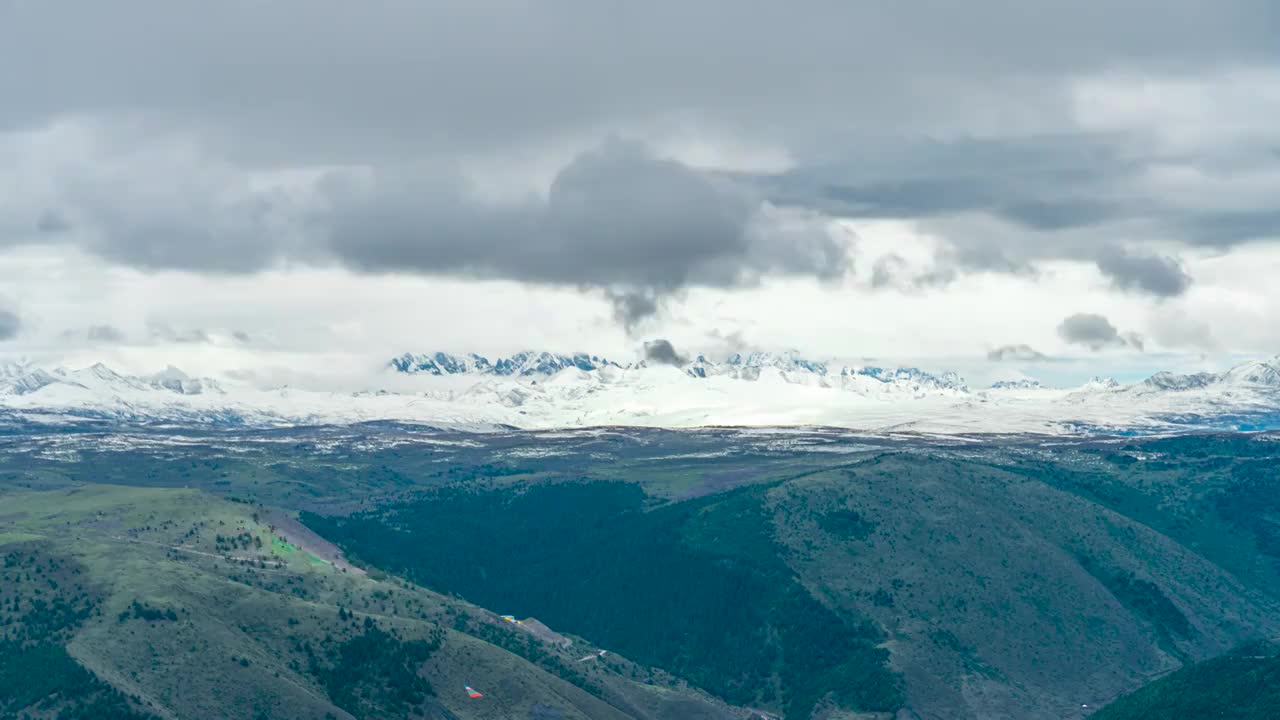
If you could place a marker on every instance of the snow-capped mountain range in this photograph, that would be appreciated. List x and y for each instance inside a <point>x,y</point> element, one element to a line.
<point>750,366</point>
<point>550,390</point>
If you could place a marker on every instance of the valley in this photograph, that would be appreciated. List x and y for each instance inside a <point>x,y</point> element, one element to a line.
<point>726,573</point>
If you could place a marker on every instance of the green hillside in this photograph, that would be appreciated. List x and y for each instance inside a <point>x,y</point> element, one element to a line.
<point>699,588</point>
<point>724,575</point>
<point>139,603</point>
<point>1242,685</point>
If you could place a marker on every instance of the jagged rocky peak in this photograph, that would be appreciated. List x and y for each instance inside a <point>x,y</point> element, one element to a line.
<point>14,368</point>
<point>100,371</point>
<point>746,366</point>
<point>787,361</point>
<point>28,381</point>
<point>521,364</point>
<point>1173,381</point>
<point>100,377</point>
<point>545,363</point>
<point>1258,372</point>
<point>909,376</point>
<point>173,379</point>
<point>439,363</point>
<point>1022,384</point>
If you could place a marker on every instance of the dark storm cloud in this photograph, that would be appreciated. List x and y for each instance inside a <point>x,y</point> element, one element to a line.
<point>631,307</point>
<point>1096,332</point>
<point>1020,352</point>
<point>409,91</point>
<point>1228,227</point>
<point>191,224</point>
<point>1057,196</point>
<point>615,215</point>
<point>10,324</point>
<point>292,77</point>
<point>1154,274</point>
<point>617,218</point>
<point>663,352</point>
<point>1048,182</point>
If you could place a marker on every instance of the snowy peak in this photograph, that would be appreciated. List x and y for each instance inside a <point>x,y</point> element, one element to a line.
<point>174,380</point>
<point>26,382</point>
<point>788,367</point>
<point>545,363</point>
<point>1265,373</point>
<point>98,379</point>
<point>1258,375</point>
<point>552,390</point>
<point>790,361</point>
<point>914,378</point>
<point>440,364</point>
<point>1023,384</point>
<point>1100,384</point>
<point>1174,382</point>
<point>523,364</point>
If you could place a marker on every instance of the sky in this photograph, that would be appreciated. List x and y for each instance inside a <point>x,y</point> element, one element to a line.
<point>282,191</point>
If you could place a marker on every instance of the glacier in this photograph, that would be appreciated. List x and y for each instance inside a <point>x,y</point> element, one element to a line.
<point>545,390</point>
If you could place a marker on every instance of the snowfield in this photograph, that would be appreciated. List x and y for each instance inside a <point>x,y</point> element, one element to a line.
<point>548,391</point>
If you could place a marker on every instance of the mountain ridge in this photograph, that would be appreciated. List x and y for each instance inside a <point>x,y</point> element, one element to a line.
<point>549,390</point>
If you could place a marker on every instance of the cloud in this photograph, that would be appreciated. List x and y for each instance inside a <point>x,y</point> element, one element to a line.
<point>893,271</point>
<point>1020,352</point>
<point>631,307</point>
<point>617,218</point>
<point>663,352</point>
<point>10,324</point>
<point>51,222</point>
<point>96,334</point>
<point>1041,183</point>
<point>729,343</point>
<point>415,71</point>
<point>887,269</point>
<point>371,139</point>
<point>104,334</point>
<point>1178,326</point>
<point>1002,203</point>
<point>1154,274</point>
<point>1096,332</point>
<point>163,332</point>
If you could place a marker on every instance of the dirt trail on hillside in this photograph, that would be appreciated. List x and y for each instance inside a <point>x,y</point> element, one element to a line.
<point>295,533</point>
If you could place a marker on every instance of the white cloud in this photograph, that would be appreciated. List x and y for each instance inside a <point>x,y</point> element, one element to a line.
<point>1214,110</point>
<point>306,324</point>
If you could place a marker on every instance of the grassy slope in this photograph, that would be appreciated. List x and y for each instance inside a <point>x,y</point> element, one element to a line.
<point>931,554</point>
<point>1242,685</point>
<point>1004,596</point>
<point>234,647</point>
<point>695,587</point>
<point>1003,593</point>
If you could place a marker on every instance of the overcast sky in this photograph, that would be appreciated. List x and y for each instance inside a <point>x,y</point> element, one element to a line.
<point>1015,186</point>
